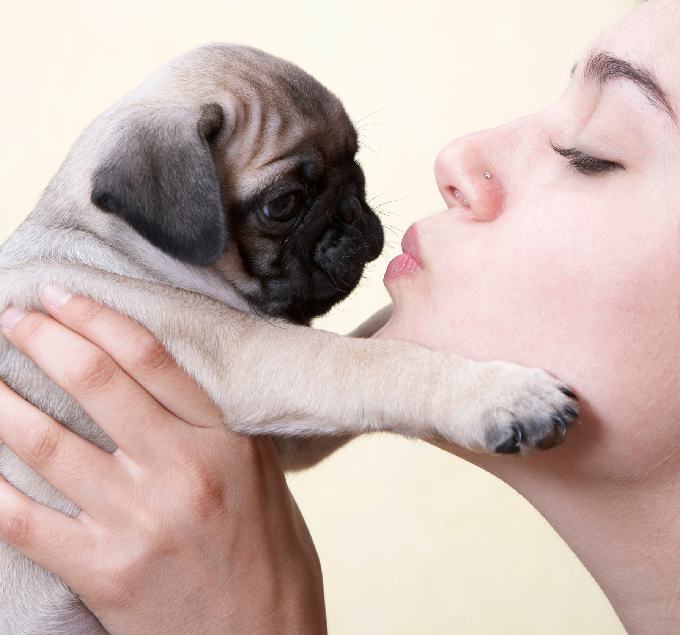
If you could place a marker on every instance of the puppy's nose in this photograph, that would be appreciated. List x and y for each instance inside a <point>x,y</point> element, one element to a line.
<point>351,211</point>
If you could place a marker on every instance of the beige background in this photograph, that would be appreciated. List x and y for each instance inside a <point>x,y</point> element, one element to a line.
<point>412,540</point>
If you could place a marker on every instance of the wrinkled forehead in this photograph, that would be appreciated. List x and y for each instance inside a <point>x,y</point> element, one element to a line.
<point>650,36</point>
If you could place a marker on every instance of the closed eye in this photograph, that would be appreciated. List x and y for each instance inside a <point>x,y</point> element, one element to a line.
<point>584,163</point>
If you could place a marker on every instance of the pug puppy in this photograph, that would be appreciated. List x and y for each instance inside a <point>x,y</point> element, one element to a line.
<point>220,204</point>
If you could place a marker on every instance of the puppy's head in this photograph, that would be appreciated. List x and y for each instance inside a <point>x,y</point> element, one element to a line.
<point>231,158</point>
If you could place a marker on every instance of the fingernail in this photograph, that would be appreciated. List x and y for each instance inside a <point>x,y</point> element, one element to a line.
<point>10,318</point>
<point>55,296</point>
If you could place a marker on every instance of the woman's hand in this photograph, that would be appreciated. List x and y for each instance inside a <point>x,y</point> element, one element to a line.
<point>187,527</point>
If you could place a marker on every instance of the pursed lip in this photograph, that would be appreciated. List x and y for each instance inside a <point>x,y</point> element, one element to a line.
<point>408,263</point>
<point>410,244</point>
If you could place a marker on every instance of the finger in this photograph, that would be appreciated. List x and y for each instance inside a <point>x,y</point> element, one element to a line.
<point>133,419</point>
<point>137,351</point>
<point>73,466</point>
<point>51,539</point>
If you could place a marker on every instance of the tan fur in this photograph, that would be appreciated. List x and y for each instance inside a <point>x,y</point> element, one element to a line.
<point>310,389</point>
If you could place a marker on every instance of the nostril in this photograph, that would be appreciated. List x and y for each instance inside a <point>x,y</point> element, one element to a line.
<point>460,197</point>
<point>350,210</point>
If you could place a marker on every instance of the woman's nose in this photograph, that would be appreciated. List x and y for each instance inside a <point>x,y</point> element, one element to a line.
<point>468,179</point>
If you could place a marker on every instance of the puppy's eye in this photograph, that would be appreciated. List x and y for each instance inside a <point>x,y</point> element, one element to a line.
<point>283,208</point>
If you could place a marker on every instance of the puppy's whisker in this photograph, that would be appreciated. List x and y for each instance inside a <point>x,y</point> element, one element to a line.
<point>391,229</point>
<point>369,115</point>
<point>363,145</point>
<point>366,124</point>
<point>379,206</point>
<point>370,200</point>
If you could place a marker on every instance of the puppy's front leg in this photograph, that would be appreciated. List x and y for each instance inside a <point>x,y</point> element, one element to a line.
<point>302,452</point>
<point>270,377</point>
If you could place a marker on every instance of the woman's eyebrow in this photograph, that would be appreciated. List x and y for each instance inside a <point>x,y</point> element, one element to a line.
<point>603,67</point>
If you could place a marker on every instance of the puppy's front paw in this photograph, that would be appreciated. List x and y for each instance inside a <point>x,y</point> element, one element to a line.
<point>537,413</point>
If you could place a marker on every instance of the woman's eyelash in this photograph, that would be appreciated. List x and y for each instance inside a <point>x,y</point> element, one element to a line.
<point>585,163</point>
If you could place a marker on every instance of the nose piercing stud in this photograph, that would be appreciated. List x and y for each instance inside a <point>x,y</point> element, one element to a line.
<point>487,175</point>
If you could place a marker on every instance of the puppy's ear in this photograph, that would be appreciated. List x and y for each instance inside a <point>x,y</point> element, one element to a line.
<point>162,180</point>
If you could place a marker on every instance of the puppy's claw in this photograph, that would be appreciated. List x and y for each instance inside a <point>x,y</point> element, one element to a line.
<point>556,436</point>
<point>571,416</point>
<point>511,445</point>
<point>568,393</point>
<point>531,410</point>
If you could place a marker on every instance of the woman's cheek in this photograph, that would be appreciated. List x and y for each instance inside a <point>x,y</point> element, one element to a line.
<point>532,286</point>
<point>505,297</point>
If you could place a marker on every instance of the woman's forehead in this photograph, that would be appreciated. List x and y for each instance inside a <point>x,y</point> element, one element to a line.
<point>651,30</point>
<point>650,38</point>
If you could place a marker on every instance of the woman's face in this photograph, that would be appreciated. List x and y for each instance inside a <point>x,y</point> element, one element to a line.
<point>568,256</point>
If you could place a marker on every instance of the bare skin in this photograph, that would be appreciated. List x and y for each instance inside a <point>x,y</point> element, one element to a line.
<point>575,267</point>
<point>187,527</point>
